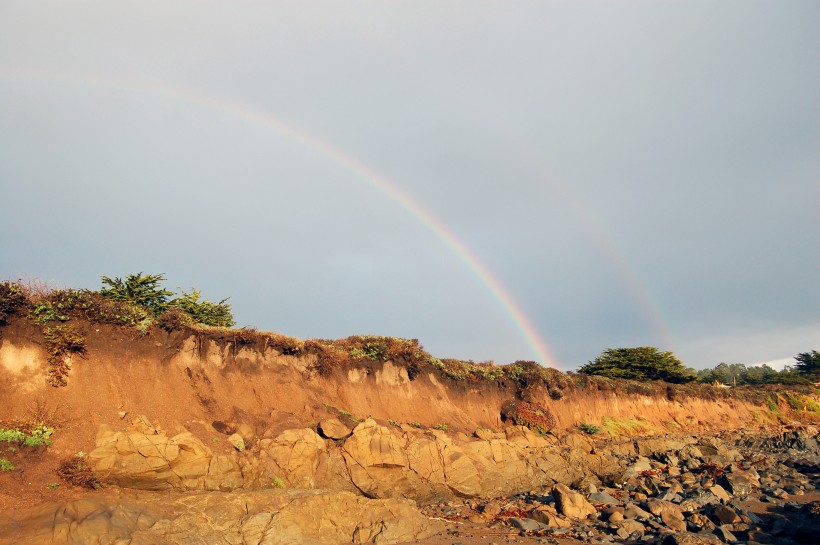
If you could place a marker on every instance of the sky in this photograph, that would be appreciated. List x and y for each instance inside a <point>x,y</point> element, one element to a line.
<point>500,180</point>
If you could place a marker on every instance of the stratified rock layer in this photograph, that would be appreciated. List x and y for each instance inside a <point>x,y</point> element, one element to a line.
<point>235,518</point>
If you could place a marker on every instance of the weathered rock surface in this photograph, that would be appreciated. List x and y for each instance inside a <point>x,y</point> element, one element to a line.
<point>235,518</point>
<point>570,503</point>
<point>376,460</point>
<point>154,461</point>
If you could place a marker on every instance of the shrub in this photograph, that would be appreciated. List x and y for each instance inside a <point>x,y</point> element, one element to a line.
<point>138,289</point>
<point>97,308</point>
<point>76,472</point>
<point>590,429</point>
<point>202,311</point>
<point>174,319</point>
<point>442,426</point>
<point>44,312</point>
<point>5,465</point>
<point>528,414</point>
<point>12,300</point>
<point>61,342</point>
<point>277,482</point>
<point>40,435</point>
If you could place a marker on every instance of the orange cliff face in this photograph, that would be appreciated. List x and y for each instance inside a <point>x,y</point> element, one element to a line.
<point>185,377</point>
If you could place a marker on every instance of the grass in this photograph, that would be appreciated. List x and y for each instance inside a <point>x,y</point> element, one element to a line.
<point>5,465</point>
<point>276,482</point>
<point>590,429</point>
<point>625,426</point>
<point>441,426</point>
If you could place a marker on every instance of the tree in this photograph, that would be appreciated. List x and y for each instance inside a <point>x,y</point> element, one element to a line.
<point>641,363</point>
<point>808,363</point>
<point>138,289</point>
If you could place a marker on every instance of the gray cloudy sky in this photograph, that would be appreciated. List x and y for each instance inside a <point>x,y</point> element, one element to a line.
<point>631,173</point>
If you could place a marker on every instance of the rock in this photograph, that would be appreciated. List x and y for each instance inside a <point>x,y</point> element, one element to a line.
<point>578,442</point>
<point>613,514</point>
<point>570,503</point>
<point>258,517</point>
<point>670,514</point>
<point>725,534</point>
<point>334,428</point>
<point>701,522</point>
<point>688,538</point>
<point>742,483</point>
<point>632,511</point>
<point>720,493</point>
<point>526,525</point>
<point>697,499</point>
<point>292,457</point>
<point>237,442</point>
<point>484,434</point>
<point>158,462</point>
<point>636,468</point>
<point>723,514</point>
<point>602,498</point>
<point>662,446</point>
<point>546,514</point>
<point>626,528</point>
<point>491,509</point>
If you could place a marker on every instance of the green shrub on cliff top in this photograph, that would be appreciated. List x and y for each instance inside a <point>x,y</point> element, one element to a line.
<point>12,299</point>
<point>641,363</point>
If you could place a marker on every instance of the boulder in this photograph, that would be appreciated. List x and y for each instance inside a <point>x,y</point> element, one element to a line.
<point>740,482</point>
<point>334,428</point>
<point>570,503</point>
<point>547,514</point>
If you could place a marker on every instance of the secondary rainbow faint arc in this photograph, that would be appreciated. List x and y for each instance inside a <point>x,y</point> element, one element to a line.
<point>381,183</point>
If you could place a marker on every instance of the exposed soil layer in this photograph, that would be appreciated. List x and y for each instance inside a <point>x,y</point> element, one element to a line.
<point>218,387</point>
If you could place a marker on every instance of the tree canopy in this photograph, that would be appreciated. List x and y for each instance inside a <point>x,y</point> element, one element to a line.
<point>738,374</point>
<point>808,364</point>
<point>641,363</point>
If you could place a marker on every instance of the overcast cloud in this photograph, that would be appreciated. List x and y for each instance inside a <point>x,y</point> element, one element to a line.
<point>632,173</point>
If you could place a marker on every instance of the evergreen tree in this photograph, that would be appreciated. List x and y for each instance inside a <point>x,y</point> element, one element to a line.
<point>641,363</point>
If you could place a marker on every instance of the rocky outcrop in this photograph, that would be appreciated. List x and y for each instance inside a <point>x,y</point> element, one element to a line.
<point>376,460</point>
<point>247,518</point>
<point>154,461</point>
<point>388,462</point>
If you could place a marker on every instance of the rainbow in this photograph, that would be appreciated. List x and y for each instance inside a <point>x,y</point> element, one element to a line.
<point>336,154</point>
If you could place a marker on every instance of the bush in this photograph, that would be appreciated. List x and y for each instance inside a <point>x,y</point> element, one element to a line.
<point>202,311</point>
<point>61,342</point>
<point>76,472</point>
<point>174,319</point>
<point>590,429</point>
<point>12,300</point>
<point>138,289</point>
<point>528,414</point>
<point>97,308</point>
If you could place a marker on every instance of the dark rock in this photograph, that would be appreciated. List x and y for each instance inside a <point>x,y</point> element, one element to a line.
<point>725,534</point>
<point>602,498</point>
<point>527,525</point>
